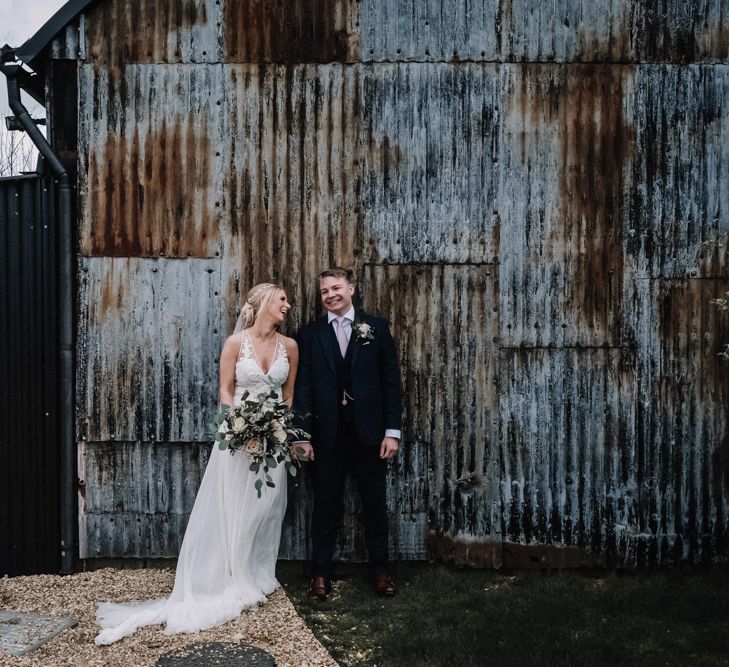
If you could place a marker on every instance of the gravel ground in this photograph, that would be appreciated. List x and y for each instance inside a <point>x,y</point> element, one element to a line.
<point>274,626</point>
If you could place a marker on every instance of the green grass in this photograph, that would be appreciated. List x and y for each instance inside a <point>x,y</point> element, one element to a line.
<point>458,617</point>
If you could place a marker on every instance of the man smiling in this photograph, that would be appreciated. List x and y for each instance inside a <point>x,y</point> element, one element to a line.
<point>348,385</point>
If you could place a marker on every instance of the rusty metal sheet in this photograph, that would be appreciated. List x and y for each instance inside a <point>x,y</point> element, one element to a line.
<point>317,31</point>
<point>120,32</point>
<point>490,202</point>
<point>678,219</point>
<point>292,204</point>
<point>561,31</point>
<point>150,177</point>
<point>565,163</point>
<point>570,457</point>
<point>293,31</point>
<point>683,422</point>
<point>149,339</point>
<point>429,179</point>
<point>331,164</point>
<point>449,384</point>
<point>137,497</point>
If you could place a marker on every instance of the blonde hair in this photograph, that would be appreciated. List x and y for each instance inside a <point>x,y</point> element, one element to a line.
<point>256,302</point>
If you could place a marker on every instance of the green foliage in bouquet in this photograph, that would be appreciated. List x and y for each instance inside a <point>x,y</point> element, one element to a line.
<point>262,428</point>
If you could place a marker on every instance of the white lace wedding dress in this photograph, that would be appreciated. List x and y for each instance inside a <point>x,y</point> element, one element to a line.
<point>228,556</point>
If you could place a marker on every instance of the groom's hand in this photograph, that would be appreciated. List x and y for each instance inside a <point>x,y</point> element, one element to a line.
<point>303,451</point>
<point>388,448</point>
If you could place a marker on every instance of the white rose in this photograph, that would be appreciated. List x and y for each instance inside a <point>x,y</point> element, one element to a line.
<point>239,424</point>
<point>280,434</point>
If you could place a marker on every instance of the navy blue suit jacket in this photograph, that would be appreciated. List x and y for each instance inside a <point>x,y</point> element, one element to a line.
<point>375,383</point>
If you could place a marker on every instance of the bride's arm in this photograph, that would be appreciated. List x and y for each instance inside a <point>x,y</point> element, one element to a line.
<point>228,357</point>
<point>292,351</point>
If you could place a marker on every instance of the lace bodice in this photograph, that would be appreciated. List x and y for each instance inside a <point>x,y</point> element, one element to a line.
<point>249,374</point>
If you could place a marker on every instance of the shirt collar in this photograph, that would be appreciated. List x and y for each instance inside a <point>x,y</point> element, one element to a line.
<point>348,315</point>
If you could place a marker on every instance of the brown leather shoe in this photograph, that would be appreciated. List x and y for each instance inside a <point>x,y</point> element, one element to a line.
<point>384,585</point>
<point>319,588</point>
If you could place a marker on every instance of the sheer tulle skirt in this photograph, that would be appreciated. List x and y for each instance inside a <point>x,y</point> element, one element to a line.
<point>228,557</point>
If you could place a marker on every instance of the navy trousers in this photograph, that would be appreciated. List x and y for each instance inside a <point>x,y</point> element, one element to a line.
<point>329,472</point>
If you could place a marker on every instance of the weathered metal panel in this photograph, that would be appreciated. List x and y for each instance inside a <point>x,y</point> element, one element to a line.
<point>119,32</point>
<point>561,31</point>
<point>678,223</point>
<point>138,496</point>
<point>429,181</point>
<point>683,422</point>
<point>564,162</point>
<point>294,31</point>
<point>149,142</point>
<point>69,43</point>
<point>490,201</point>
<point>570,472</point>
<point>291,201</point>
<point>330,164</point>
<point>30,464</point>
<point>321,31</point>
<point>446,322</point>
<point>149,339</point>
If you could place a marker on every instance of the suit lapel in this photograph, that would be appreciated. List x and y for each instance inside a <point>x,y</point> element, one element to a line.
<point>325,339</point>
<point>354,342</point>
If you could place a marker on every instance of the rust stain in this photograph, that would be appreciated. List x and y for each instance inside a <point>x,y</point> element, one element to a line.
<point>149,198</point>
<point>481,552</point>
<point>137,31</point>
<point>299,31</point>
<point>691,326</point>
<point>597,145</point>
<point>112,292</point>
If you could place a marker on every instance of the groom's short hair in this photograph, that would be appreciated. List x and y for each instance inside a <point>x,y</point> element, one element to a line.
<point>338,272</point>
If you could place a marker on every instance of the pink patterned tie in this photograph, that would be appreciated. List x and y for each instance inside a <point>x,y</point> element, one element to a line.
<point>341,335</point>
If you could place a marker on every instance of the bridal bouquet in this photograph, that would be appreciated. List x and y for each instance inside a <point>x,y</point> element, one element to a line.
<point>261,428</point>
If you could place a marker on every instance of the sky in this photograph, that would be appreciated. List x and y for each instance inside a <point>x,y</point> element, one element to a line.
<point>19,20</point>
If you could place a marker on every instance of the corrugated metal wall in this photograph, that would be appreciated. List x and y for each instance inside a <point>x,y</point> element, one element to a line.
<point>30,540</point>
<point>535,193</point>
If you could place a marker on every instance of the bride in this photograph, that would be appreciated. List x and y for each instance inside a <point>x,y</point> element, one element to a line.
<point>228,556</point>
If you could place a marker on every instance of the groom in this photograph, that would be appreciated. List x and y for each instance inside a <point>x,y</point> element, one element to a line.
<point>348,388</point>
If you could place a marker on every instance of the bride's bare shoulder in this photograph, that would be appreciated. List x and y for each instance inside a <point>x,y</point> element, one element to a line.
<point>233,342</point>
<point>290,345</point>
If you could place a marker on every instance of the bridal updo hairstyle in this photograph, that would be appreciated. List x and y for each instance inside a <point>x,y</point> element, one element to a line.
<point>256,302</point>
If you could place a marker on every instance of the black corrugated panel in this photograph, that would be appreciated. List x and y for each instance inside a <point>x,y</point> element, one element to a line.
<point>29,433</point>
